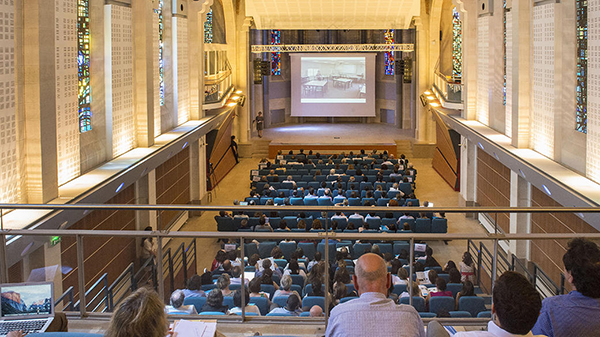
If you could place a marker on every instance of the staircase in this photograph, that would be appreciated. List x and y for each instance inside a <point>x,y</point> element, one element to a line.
<point>404,147</point>
<point>260,147</point>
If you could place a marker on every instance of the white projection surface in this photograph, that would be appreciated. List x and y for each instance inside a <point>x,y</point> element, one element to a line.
<point>333,85</point>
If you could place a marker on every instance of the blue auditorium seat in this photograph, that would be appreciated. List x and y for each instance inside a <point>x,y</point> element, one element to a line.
<point>473,304</point>
<point>439,304</point>
<point>309,301</point>
<point>418,303</point>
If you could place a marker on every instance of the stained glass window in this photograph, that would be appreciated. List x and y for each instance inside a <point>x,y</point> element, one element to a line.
<point>582,43</point>
<point>83,65</point>
<point>208,27</point>
<point>389,55</point>
<point>161,51</point>
<point>276,56</point>
<point>456,44</point>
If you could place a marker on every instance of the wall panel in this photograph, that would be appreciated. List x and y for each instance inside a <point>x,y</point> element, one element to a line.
<point>122,80</point>
<point>483,69</point>
<point>67,106</point>
<point>509,76</point>
<point>156,79</point>
<point>173,184</point>
<point>593,92</point>
<point>543,107</point>
<point>183,70</point>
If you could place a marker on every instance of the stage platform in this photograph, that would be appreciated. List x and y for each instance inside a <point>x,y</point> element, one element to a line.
<point>331,138</point>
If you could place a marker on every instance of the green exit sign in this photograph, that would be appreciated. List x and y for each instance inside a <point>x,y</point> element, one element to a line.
<point>55,240</point>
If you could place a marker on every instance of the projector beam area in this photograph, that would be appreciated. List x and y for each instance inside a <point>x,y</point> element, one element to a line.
<point>298,48</point>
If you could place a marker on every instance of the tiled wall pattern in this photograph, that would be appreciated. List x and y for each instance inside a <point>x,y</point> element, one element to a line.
<point>593,91</point>
<point>9,165</point>
<point>483,71</point>
<point>122,80</point>
<point>509,68</point>
<point>67,106</point>
<point>542,119</point>
<point>183,70</point>
<point>156,79</point>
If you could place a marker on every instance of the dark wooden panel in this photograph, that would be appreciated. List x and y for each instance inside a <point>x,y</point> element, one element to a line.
<point>221,159</point>
<point>493,186</point>
<point>173,184</point>
<point>101,255</point>
<point>440,165</point>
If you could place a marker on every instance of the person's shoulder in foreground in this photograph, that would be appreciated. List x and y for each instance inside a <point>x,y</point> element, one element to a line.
<point>577,313</point>
<point>373,313</point>
<point>516,306</point>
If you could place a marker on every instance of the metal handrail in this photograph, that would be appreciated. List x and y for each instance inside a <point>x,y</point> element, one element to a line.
<point>117,285</point>
<point>67,293</point>
<point>103,279</point>
<point>548,283</point>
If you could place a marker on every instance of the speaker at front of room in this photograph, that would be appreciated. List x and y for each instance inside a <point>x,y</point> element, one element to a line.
<point>486,7</point>
<point>180,7</point>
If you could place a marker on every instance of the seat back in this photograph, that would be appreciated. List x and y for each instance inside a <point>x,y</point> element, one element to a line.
<point>197,302</point>
<point>287,248</point>
<point>250,249</point>
<point>311,201</point>
<point>358,222</point>
<point>281,301</point>
<point>439,225</point>
<point>438,304</point>
<point>484,314</point>
<point>225,224</point>
<point>228,301</point>
<point>309,249</point>
<point>398,247</point>
<point>268,288</point>
<point>418,303</point>
<point>373,222</point>
<point>455,288</point>
<point>296,201</point>
<point>321,248</point>
<point>399,289</point>
<point>385,248</point>
<point>473,304</point>
<point>460,314</point>
<point>383,201</point>
<point>264,249</point>
<point>309,301</point>
<point>325,201</point>
<point>281,263</point>
<point>292,221</point>
<point>423,226</point>
<point>212,313</point>
<point>262,304</point>
<point>359,249</point>
<point>297,280</point>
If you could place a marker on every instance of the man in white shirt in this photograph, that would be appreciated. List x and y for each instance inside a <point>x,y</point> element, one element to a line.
<point>516,307</point>
<point>177,306</point>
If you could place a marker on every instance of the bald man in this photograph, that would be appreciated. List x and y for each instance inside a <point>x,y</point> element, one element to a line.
<point>373,314</point>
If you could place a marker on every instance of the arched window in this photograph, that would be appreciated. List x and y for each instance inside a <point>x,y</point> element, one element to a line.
<point>83,65</point>
<point>208,27</point>
<point>582,69</point>
<point>456,44</point>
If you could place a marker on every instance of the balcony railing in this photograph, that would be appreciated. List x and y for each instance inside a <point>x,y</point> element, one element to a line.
<point>217,86</point>
<point>491,261</point>
<point>449,92</point>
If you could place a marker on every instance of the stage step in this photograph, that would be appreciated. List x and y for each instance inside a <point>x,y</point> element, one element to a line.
<point>404,147</point>
<point>260,147</point>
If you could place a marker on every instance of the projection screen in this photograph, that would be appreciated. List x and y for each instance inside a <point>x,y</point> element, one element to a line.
<point>333,85</point>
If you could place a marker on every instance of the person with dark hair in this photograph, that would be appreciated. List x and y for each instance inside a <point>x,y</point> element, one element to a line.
<point>468,289</point>
<point>292,307</point>
<point>312,263</point>
<point>440,285</point>
<point>454,276</point>
<point>339,291</point>
<point>237,301</point>
<point>515,308</point>
<point>467,268</point>
<point>373,314</point>
<point>268,264</point>
<point>194,287</point>
<point>578,312</point>
<point>430,261</point>
<point>449,265</point>
<point>223,283</point>
<point>234,149</point>
<point>214,302</point>
<point>293,268</point>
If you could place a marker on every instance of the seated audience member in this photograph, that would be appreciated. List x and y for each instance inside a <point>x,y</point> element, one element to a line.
<point>440,285</point>
<point>194,287</point>
<point>292,307</point>
<point>342,275</point>
<point>578,312</point>
<point>214,302</point>
<point>293,268</point>
<point>225,268</point>
<point>454,276</point>
<point>468,289</point>
<point>416,291</point>
<point>316,311</point>
<point>286,286</point>
<point>449,265</point>
<point>267,264</point>
<point>430,261</point>
<point>262,224</point>
<point>141,314</point>
<point>219,259</point>
<point>402,277</point>
<point>339,291</point>
<point>254,288</point>
<point>373,314</point>
<point>177,306</point>
<point>223,283</point>
<point>267,278</point>
<point>516,307</point>
<point>312,263</point>
<point>237,301</point>
<point>236,276</point>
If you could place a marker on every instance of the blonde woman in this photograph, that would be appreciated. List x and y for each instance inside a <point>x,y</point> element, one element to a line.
<point>142,314</point>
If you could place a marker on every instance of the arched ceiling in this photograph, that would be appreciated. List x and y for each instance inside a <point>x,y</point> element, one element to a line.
<point>332,14</point>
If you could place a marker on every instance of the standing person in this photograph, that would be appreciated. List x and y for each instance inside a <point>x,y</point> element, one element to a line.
<point>578,312</point>
<point>234,149</point>
<point>467,268</point>
<point>373,314</point>
<point>149,248</point>
<point>259,120</point>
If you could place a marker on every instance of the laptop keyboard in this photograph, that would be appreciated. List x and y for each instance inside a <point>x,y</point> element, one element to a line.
<point>27,326</point>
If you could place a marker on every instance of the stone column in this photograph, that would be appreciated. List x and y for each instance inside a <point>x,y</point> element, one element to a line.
<point>468,15</point>
<point>39,99</point>
<point>244,60</point>
<point>143,54</point>
<point>520,196</point>
<point>522,48</point>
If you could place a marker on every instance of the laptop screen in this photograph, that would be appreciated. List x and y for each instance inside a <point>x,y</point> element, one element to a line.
<point>26,300</point>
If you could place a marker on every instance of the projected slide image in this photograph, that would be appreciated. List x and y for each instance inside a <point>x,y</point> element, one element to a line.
<point>333,80</point>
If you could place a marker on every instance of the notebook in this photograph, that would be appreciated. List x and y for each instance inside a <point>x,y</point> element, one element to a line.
<point>28,307</point>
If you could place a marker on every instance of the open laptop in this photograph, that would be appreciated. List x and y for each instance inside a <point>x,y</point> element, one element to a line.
<point>28,307</point>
